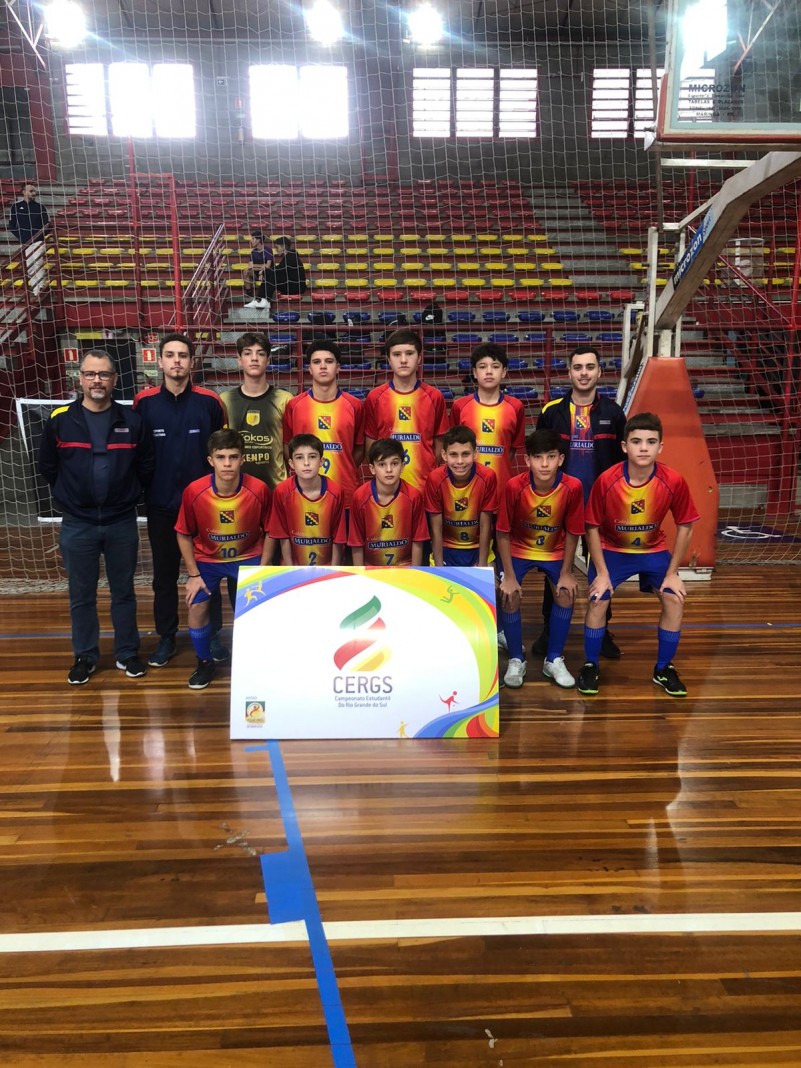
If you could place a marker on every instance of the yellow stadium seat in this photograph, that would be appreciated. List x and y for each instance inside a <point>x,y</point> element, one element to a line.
<point>543,250</point>
<point>473,283</point>
<point>630,251</point>
<point>412,265</point>
<point>470,266</point>
<point>383,239</point>
<point>326,283</point>
<point>357,265</point>
<point>563,282</point>
<point>414,282</point>
<point>331,239</point>
<point>496,265</point>
<point>306,239</point>
<point>511,238</point>
<point>525,265</point>
<point>409,238</point>
<point>440,265</point>
<point>551,265</point>
<point>537,238</point>
<point>438,239</point>
<point>517,250</point>
<point>361,238</point>
<point>487,238</point>
<point>490,250</point>
<point>501,283</point>
<point>328,266</point>
<point>444,283</point>
<point>115,283</point>
<point>331,250</point>
<point>460,239</point>
<point>385,282</point>
<point>357,283</point>
<point>529,283</point>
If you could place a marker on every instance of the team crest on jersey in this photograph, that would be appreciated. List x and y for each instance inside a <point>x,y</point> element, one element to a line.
<point>405,413</point>
<point>226,517</point>
<point>487,426</point>
<point>253,418</point>
<point>637,507</point>
<point>312,519</point>
<point>323,422</point>
<point>461,504</point>
<point>543,511</point>
<point>386,522</point>
<point>581,422</point>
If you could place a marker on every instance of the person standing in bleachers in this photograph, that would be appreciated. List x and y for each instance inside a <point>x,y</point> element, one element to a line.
<point>28,217</point>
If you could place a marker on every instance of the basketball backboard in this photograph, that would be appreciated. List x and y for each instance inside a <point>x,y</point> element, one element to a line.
<point>732,75</point>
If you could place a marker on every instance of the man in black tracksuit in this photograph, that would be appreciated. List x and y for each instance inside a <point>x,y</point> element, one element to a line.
<point>591,428</point>
<point>180,418</point>
<point>97,457</point>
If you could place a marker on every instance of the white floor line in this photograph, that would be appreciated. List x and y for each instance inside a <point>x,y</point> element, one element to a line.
<point>391,930</point>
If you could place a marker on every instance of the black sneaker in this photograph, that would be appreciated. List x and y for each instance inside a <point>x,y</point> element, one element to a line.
<point>80,671</point>
<point>165,651</point>
<point>587,681</point>
<point>220,653</point>
<point>133,667</point>
<point>540,646</point>
<point>609,648</point>
<point>202,675</point>
<point>668,679</point>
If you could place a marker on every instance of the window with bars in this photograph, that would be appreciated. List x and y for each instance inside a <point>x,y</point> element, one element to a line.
<point>131,100</point>
<point>287,102</point>
<point>611,100</point>
<point>644,103</point>
<point>474,102</point>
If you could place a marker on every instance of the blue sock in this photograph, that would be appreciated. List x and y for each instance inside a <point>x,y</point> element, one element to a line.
<point>668,643</point>
<point>558,630</point>
<point>201,639</point>
<point>512,624</point>
<point>593,637</point>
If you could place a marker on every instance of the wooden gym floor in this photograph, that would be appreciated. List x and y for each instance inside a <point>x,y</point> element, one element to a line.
<point>615,882</point>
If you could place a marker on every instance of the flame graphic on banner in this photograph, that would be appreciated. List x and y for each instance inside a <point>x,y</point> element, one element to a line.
<point>363,652</point>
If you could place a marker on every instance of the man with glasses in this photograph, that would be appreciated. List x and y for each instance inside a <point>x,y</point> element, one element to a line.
<point>97,457</point>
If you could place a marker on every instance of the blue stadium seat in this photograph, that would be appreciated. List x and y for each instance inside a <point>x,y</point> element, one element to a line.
<point>516,364</point>
<point>435,365</point>
<point>389,318</point>
<point>522,392</point>
<point>359,392</point>
<point>495,316</point>
<point>287,317</point>
<point>461,317</point>
<point>282,339</point>
<point>610,335</point>
<point>576,337</point>
<point>559,365</point>
<point>447,392</point>
<point>356,365</point>
<point>538,338</point>
<point>352,317</point>
<point>531,317</point>
<point>319,318</point>
<point>596,315</point>
<point>281,365</point>
<point>357,339</point>
<point>504,338</point>
<point>565,317</point>
<point>464,365</point>
<point>466,339</point>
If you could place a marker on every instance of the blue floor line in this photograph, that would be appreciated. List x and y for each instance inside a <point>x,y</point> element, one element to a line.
<point>291,896</point>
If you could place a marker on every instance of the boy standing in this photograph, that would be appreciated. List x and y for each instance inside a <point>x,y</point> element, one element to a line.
<point>221,525</point>
<point>256,409</point>
<point>334,417</point>
<point>540,520</point>
<point>387,520</point>
<point>461,499</point>
<point>308,516</point>
<point>498,421</point>
<point>408,410</point>
<point>624,535</point>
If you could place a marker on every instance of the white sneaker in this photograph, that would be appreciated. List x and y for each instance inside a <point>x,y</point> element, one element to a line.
<point>257,304</point>
<point>515,673</point>
<point>556,670</point>
<point>502,645</point>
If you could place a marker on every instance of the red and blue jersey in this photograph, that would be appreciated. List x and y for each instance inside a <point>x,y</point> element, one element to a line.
<point>461,506</point>
<point>339,424</point>
<point>225,529</point>
<point>537,522</point>
<point>499,429</point>
<point>311,525</point>
<point>414,419</point>
<point>386,532</point>
<point>629,518</point>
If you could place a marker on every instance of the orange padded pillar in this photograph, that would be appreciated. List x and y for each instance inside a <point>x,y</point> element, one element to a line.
<point>665,389</point>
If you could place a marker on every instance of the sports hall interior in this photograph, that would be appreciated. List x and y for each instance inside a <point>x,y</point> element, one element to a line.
<point>612,881</point>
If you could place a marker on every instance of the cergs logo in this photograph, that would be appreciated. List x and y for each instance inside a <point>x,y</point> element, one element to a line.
<point>637,507</point>
<point>312,519</point>
<point>405,413</point>
<point>461,505</point>
<point>386,522</point>
<point>323,422</point>
<point>487,426</point>
<point>226,517</point>
<point>543,511</point>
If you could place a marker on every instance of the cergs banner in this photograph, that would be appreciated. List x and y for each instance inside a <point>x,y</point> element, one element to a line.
<point>365,652</point>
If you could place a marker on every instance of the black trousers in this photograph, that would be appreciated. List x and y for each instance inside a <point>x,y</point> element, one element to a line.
<point>166,570</point>
<point>277,278</point>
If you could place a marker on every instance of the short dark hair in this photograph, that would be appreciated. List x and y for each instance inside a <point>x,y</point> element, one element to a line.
<point>257,234</point>
<point>403,337</point>
<point>26,183</point>
<point>176,336</point>
<point>543,441</point>
<point>643,421</point>
<point>322,344</point>
<point>584,350</point>
<point>250,339</point>
<point>228,438</point>
<point>305,441</point>
<point>285,241</point>
<point>458,435</point>
<point>98,354</point>
<point>384,448</point>
<point>491,350</point>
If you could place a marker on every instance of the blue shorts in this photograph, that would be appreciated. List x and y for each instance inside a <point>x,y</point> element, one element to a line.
<point>459,557</point>
<point>651,567</point>
<point>213,574</point>
<point>551,568</point>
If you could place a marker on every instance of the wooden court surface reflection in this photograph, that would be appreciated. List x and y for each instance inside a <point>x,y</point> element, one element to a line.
<point>126,808</point>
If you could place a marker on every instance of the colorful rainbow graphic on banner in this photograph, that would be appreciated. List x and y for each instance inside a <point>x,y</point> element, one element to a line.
<point>467,602</point>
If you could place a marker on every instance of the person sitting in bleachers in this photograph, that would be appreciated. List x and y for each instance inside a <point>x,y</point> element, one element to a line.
<point>261,258</point>
<point>286,274</point>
